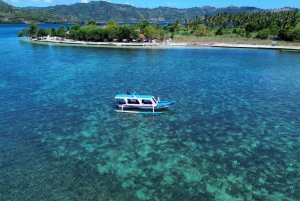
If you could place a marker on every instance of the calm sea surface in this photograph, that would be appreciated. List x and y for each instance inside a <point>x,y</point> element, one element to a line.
<point>233,133</point>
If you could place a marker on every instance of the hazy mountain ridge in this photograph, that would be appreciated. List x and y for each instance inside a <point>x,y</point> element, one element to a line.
<point>10,14</point>
<point>102,11</point>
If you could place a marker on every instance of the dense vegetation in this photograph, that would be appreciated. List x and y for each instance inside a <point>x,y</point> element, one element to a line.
<point>92,32</point>
<point>261,25</point>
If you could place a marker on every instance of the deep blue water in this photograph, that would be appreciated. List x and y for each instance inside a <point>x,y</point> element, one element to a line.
<point>233,134</point>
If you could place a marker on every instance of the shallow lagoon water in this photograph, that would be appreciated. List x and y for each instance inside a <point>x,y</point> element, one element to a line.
<point>233,133</point>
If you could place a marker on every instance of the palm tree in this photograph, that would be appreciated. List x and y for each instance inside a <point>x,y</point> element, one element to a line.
<point>294,16</point>
<point>177,25</point>
<point>205,19</point>
<point>186,25</point>
<point>33,28</point>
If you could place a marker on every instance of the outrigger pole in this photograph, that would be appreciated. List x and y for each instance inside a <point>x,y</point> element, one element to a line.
<point>138,112</point>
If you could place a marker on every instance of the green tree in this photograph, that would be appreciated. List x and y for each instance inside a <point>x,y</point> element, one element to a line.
<point>274,29</point>
<point>111,31</point>
<point>89,34</point>
<point>294,33</point>
<point>186,25</point>
<point>23,32</point>
<point>283,35</point>
<point>110,34</point>
<point>170,28</point>
<point>61,31</point>
<point>32,30</point>
<point>289,34</point>
<point>248,34</point>
<point>42,32</point>
<point>112,25</point>
<point>52,32</point>
<point>160,33</point>
<point>76,27</point>
<point>73,34</point>
<point>196,22</point>
<point>239,31</point>
<point>263,34</point>
<point>126,31</point>
<point>252,26</point>
<point>177,26</point>
<point>219,31</point>
<point>98,32</point>
<point>150,31</point>
<point>200,30</point>
<point>81,34</point>
<point>142,24</point>
<point>91,23</point>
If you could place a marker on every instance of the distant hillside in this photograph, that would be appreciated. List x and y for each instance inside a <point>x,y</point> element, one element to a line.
<point>10,15</point>
<point>102,11</point>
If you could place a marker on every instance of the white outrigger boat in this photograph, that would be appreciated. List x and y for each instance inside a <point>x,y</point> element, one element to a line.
<point>142,102</point>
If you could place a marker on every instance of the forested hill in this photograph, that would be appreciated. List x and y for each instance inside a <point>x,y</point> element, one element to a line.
<point>10,14</point>
<point>7,11</point>
<point>102,11</point>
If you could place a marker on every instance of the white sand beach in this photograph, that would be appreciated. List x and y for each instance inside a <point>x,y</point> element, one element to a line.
<point>166,44</point>
<point>256,46</point>
<point>135,44</point>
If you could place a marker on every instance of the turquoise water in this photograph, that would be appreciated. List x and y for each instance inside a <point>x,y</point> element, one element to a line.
<point>233,133</point>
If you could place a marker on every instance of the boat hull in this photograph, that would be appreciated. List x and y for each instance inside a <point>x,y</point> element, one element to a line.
<point>161,105</point>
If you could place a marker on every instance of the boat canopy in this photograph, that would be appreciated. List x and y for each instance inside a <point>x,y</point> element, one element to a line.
<point>140,96</point>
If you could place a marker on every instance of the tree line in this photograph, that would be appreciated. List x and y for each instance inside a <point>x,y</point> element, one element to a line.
<point>283,25</point>
<point>90,31</point>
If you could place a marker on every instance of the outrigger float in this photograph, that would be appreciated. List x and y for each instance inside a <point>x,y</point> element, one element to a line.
<point>141,102</point>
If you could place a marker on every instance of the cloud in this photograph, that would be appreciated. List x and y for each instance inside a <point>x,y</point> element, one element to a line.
<point>15,1</point>
<point>128,3</point>
<point>48,1</point>
<point>84,1</point>
<point>172,3</point>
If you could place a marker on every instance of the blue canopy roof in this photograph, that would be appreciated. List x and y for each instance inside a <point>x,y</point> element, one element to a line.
<point>132,96</point>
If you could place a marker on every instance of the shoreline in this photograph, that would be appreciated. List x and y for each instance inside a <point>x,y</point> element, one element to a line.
<point>271,47</point>
<point>165,44</point>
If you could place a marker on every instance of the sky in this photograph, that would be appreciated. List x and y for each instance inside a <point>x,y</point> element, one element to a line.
<point>265,4</point>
